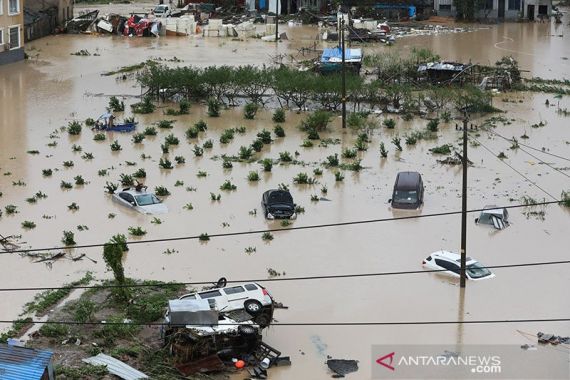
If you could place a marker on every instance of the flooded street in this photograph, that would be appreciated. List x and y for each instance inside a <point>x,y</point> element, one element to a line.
<point>54,87</point>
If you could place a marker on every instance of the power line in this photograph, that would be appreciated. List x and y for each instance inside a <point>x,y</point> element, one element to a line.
<point>545,163</point>
<point>255,232</point>
<point>282,279</point>
<point>389,323</point>
<point>528,146</point>
<point>513,140</point>
<point>515,170</point>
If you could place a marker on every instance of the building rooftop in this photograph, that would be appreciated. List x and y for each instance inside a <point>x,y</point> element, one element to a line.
<point>21,363</point>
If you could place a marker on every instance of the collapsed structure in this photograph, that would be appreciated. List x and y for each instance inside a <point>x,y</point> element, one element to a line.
<point>210,330</point>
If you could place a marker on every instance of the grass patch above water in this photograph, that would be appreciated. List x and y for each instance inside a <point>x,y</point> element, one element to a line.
<point>46,300</point>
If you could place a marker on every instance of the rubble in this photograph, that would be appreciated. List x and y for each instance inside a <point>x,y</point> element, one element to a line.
<point>8,243</point>
<point>342,367</point>
<point>211,330</point>
<point>81,23</point>
<point>552,339</point>
<point>456,160</point>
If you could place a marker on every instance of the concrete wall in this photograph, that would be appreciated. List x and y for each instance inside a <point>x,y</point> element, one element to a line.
<point>8,20</point>
<point>12,56</point>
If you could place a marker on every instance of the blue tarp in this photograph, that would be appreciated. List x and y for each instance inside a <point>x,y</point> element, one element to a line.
<point>335,55</point>
<point>411,9</point>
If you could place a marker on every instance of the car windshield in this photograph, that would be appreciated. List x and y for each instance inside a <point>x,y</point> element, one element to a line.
<point>280,197</point>
<point>476,270</point>
<point>404,196</point>
<point>147,199</point>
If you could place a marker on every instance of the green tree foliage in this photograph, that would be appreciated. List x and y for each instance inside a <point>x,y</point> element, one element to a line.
<point>113,256</point>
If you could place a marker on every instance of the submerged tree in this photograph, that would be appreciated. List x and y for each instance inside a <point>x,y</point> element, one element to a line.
<point>472,99</point>
<point>113,256</point>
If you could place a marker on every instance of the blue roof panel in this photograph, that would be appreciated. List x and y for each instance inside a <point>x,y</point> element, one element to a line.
<point>335,55</point>
<point>20,363</point>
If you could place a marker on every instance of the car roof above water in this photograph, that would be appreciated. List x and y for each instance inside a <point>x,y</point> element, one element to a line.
<point>243,285</point>
<point>278,195</point>
<point>452,256</point>
<point>133,192</point>
<point>407,180</point>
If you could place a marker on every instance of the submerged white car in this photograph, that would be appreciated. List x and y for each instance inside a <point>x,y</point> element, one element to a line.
<point>450,263</point>
<point>141,201</point>
<point>162,10</point>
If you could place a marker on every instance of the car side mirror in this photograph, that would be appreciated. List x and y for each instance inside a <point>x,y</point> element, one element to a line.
<point>133,203</point>
<point>390,200</point>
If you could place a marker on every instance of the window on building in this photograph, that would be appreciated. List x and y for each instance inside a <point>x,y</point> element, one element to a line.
<point>13,6</point>
<point>514,5</point>
<point>1,7</point>
<point>1,39</point>
<point>14,37</point>
<point>445,5</point>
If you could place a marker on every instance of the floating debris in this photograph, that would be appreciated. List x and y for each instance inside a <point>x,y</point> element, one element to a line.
<point>552,339</point>
<point>342,367</point>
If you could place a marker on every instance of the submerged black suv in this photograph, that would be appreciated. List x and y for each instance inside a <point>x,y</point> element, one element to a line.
<point>408,191</point>
<point>278,204</point>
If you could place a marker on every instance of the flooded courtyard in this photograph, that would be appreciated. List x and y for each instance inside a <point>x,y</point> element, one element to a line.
<point>53,88</point>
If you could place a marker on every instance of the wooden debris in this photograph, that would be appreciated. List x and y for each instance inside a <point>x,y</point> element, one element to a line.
<point>8,244</point>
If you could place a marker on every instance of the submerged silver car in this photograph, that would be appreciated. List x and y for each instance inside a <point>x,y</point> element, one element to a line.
<point>494,216</point>
<point>141,201</point>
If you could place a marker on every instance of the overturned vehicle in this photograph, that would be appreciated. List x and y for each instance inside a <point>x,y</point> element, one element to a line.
<point>497,217</point>
<point>217,325</point>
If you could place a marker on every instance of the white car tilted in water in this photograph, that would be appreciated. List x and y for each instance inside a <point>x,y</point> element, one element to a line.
<point>251,297</point>
<point>141,201</point>
<point>450,263</point>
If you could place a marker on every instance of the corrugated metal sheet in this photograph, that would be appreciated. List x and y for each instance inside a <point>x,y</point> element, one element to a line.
<point>20,363</point>
<point>116,367</point>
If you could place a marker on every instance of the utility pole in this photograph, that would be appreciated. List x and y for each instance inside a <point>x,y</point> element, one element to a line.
<point>343,73</point>
<point>464,206</point>
<point>277,21</point>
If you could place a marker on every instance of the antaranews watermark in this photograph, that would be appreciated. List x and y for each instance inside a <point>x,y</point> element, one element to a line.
<point>469,362</point>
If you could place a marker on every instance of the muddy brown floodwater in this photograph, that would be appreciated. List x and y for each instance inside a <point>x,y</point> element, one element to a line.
<point>41,95</point>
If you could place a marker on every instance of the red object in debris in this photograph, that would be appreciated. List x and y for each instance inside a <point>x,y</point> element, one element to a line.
<point>384,27</point>
<point>240,364</point>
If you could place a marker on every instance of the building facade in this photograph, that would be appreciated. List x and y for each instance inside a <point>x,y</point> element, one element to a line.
<point>64,8</point>
<point>45,17</point>
<point>501,9</point>
<point>11,31</point>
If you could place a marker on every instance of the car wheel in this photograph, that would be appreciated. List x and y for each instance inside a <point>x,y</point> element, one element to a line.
<point>262,320</point>
<point>222,282</point>
<point>253,307</point>
<point>246,330</point>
